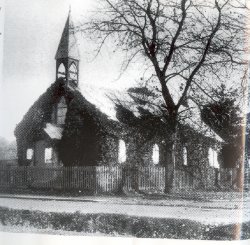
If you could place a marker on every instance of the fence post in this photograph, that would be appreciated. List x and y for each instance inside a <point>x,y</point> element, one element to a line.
<point>96,169</point>
<point>216,177</point>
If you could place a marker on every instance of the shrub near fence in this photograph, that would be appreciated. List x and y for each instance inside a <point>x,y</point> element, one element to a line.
<point>101,179</point>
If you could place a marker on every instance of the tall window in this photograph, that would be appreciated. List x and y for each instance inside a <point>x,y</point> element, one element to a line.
<point>156,154</point>
<point>48,155</point>
<point>61,72</point>
<point>73,72</point>
<point>213,158</point>
<point>61,111</point>
<point>185,161</point>
<point>29,154</point>
<point>122,151</point>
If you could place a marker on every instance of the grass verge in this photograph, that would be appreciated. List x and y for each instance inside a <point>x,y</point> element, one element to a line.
<point>121,225</point>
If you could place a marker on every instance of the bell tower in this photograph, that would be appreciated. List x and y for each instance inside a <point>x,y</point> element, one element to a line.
<point>67,55</point>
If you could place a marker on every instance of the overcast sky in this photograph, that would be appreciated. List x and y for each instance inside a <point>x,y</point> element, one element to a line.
<point>32,30</point>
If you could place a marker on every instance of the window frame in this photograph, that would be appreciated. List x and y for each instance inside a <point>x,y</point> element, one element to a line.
<point>48,160</point>
<point>156,154</point>
<point>73,72</point>
<point>214,158</point>
<point>122,151</point>
<point>60,72</point>
<point>28,150</point>
<point>60,118</point>
<point>185,156</point>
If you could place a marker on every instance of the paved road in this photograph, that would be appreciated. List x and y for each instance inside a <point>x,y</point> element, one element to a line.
<point>215,212</point>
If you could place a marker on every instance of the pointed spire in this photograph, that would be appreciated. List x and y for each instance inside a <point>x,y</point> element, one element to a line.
<point>68,47</point>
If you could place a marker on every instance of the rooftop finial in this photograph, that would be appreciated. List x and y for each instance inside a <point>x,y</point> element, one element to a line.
<point>70,9</point>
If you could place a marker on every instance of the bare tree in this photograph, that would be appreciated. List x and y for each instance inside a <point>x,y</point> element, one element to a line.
<point>185,42</point>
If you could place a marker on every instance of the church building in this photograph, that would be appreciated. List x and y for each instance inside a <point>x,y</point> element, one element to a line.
<point>62,128</point>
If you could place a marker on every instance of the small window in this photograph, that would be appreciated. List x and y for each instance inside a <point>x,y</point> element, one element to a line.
<point>122,151</point>
<point>61,72</point>
<point>156,154</point>
<point>29,154</point>
<point>48,155</point>
<point>185,160</point>
<point>213,158</point>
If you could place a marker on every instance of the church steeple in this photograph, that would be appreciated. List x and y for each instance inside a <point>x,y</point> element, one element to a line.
<point>67,55</point>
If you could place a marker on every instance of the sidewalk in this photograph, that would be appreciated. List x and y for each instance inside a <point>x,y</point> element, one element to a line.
<point>152,200</point>
<point>206,212</point>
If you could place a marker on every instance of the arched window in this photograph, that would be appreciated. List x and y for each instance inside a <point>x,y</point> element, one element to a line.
<point>61,72</point>
<point>213,158</point>
<point>156,154</point>
<point>61,111</point>
<point>122,151</point>
<point>185,160</point>
<point>73,72</point>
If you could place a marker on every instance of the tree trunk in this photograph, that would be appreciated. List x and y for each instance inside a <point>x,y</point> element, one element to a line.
<point>170,168</point>
<point>135,179</point>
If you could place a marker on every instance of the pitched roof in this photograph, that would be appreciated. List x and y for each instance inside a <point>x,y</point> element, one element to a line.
<point>33,121</point>
<point>68,47</point>
<point>190,116</point>
<point>102,111</point>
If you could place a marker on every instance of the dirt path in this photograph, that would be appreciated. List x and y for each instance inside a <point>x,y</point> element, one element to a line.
<point>214,212</point>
